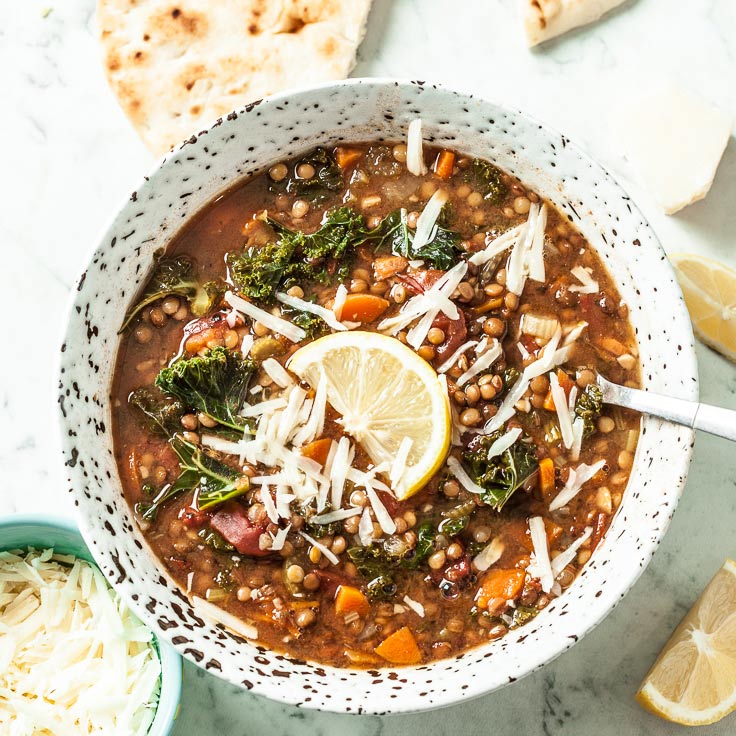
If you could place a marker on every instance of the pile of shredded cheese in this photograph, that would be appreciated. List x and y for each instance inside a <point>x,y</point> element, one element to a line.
<point>73,658</point>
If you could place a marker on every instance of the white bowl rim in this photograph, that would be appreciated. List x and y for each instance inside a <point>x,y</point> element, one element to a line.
<point>406,704</point>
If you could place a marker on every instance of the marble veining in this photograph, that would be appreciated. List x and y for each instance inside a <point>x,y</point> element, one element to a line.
<point>70,157</point>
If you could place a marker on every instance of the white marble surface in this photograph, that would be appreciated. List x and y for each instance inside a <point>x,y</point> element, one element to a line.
<point>68,156</point>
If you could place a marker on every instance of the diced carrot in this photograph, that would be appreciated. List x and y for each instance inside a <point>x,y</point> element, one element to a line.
<point>386,266</point>
<point>363,307</point>
<point>565,381</point>
<point>553,530</point>
<point>566,384</point>
<point>546,477</point>
<point>349,599</point>
<point>346,156</point>
<point>317,450</point>
<point>300,605</point>
<point>400,648</point>
<point>444,164</point>
<point>498,583</point>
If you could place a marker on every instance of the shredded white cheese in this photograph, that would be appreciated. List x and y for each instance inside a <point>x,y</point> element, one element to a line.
<point>527,257</point>
<point>415,606</point>
<point>399,465</point>
<point>428,218</point>
<point>339,515</point>
<point>576,480</point>
<point>326,314</point>
<point>565,558</point>
<point>73,658</point>
<point>504,442</point>
<point>578,429</point>
<point>365,528</point>
<point>341,296</point>
<point>246,345</point>
<point>281,326</point>
<point>444,367</point>
<point>278,540</point>
<point>382,516</point>
<point>415,149</point>
<point>540,566</point>
<point>328,553</point>
<point>496,246</point>
<point>563,410</point>
<point>277,372</point>
<point>489,555</point>
<point>482,363</point>
<point>584,276</point>
<point>463,478</point>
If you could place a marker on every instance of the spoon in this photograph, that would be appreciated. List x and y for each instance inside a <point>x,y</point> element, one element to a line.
<point>711,419</point>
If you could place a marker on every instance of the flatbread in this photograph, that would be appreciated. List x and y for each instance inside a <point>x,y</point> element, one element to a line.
<point>177,65</point>
<point>545,19</point>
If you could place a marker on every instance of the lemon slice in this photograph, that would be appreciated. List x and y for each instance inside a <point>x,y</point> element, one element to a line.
<point>709,288</point>
<point>384,392</point>
<point>693,681</point>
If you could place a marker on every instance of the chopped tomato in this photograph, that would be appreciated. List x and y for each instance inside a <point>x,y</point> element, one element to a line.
<point>232,523</point>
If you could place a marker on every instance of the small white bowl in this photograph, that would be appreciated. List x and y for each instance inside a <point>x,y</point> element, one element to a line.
<point>248,141</point>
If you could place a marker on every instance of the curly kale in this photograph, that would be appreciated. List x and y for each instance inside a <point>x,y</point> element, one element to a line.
<point>486,179</point>
<point>160,414</point>
<point>327,178</point>
<point>500,476</point>
<point>212,481</point>
<point>323,256</point>
<point>215,384</point>
<point>589,407</point>
<point>177,277</point>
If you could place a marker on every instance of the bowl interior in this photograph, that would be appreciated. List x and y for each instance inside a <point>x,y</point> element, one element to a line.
<point>245,143</point>
<point>42,532</point>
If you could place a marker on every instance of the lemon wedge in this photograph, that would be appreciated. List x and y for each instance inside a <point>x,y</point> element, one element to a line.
<point>709,289</point>
<point>693,681</point>
<point>384,392</point>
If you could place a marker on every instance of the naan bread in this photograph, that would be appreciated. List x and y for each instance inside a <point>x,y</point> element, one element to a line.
<point>176,65</point>
<point>545,19</point>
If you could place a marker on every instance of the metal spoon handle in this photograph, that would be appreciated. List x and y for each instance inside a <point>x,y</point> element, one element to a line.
<point>711,419</point>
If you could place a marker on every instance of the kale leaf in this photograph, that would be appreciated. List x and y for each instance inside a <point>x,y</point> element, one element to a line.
<point>394,232</point>
<point>177,277</point>
<point>589,407</point>
<point>376,568</point>
<point>215,384</point>
<point>486,179</point>
<point>503,474</point>
<point>161,414</point>
<point>323,256</point>
<point>213,481</point>
<point>327,178</point>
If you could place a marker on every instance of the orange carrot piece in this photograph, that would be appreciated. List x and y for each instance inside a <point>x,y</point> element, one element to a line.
<point>566,383</point>
<point>400,648</point>
<point>549,402</point>
<point>386,266</point>
<point>346,156</point>
<point>349,599</point>
<point>498,583</point>
<point>363,307</point>
<point>317,450</point>
<point>546,477</point>
<point>444,164</point>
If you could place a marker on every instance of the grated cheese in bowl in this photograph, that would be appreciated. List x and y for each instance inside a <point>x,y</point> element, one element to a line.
<point>73,658</point>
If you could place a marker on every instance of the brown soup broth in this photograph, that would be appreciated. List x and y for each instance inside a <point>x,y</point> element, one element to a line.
<point>289,595</point>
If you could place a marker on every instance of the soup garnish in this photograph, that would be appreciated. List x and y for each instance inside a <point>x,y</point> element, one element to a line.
<point>367,425</point>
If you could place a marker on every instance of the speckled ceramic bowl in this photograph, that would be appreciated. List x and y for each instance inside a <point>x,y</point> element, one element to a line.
<point>248,141</point>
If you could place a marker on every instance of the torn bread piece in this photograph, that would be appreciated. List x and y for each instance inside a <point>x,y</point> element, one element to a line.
<point>545,19</point>
<point>674,141</point>
<point>176,66</point>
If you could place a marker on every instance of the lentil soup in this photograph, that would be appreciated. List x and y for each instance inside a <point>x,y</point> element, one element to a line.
<point>253,490</point>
